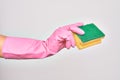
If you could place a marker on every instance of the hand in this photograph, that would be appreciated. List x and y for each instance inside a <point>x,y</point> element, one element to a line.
<point>25,48</point>
<point>63,37</point>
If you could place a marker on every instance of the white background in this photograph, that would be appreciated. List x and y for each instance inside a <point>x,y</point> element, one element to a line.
<point>39,18</point>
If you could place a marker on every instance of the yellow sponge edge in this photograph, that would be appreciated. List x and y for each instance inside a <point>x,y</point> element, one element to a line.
<point>81,45</point>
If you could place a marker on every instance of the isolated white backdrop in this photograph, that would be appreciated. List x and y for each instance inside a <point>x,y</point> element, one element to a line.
<point>39,18</point>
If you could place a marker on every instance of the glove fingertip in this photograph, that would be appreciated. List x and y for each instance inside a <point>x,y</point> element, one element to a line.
<point>81,32</point>
<point>79,24</point>
<point>68,44</point>
<point>68,47</point>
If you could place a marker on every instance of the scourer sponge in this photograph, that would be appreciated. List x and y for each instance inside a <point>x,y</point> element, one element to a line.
<point>93,35</point>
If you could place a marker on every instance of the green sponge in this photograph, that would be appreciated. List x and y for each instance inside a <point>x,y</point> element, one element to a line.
<point>92,36</point>
<point>91,32</point>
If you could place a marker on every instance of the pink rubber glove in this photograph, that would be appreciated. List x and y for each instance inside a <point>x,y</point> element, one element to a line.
<point>25,48</point>
<point>63,37</point>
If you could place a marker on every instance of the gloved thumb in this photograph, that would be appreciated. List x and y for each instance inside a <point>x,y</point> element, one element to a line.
<point>77,30</point>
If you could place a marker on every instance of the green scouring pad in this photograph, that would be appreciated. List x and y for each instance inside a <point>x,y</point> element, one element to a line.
<point>92,36</point>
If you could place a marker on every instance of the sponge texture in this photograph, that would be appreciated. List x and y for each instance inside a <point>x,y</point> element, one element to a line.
<point>93,35</point>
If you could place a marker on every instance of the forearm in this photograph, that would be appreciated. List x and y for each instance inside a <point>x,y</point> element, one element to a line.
<point>2,39</point>
<point>25,48</point>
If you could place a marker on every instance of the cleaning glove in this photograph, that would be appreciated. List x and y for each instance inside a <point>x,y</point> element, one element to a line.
<point>26,48</point>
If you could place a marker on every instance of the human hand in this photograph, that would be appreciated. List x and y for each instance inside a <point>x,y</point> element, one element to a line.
<point>25,48</point>
<point>63,37</point>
